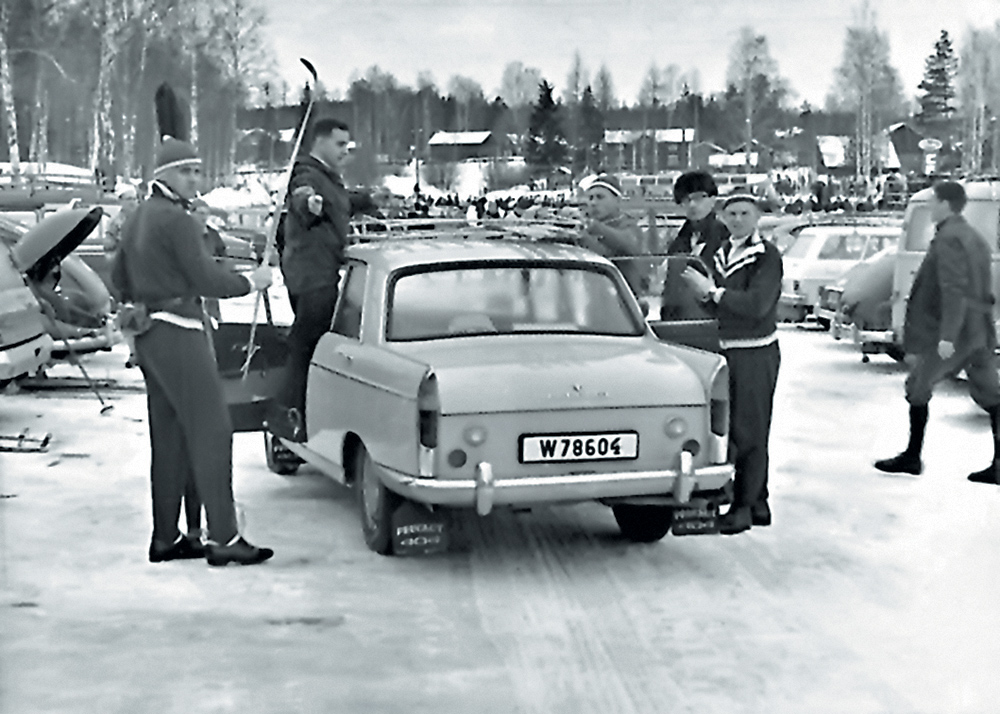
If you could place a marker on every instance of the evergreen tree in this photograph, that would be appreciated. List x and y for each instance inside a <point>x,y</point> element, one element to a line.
<point>939,72</point>
<point>588,152</point>
<point>546,147</point>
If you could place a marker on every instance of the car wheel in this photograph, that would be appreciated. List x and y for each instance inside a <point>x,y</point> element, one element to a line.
<point>376,503</point>
<point>643,524</point>
<point>280,459</point>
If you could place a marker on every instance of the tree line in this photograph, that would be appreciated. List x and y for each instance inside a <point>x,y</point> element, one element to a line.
<point>77,79</point>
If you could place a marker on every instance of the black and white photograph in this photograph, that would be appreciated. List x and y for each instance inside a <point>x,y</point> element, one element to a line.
<point>499,357</point>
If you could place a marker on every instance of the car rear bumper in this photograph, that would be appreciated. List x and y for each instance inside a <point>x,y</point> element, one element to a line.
<point>486,491</point>
<point>26,357</point>
<point>869,337</point>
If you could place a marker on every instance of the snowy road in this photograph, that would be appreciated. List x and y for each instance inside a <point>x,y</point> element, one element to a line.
<point>869,594</point>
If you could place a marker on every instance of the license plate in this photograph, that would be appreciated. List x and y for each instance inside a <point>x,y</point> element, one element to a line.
<point>554,448</point>
<point>696,519</point>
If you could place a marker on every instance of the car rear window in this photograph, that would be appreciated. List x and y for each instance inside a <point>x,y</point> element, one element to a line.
<point>505,299</point>
<point>10,278</point>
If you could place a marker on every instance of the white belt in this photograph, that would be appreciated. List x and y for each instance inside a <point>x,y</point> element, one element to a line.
<point>748,342</point>
<point>188,323</point>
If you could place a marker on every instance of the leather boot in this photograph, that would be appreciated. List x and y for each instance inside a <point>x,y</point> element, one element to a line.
<point>908,461</point>
<point>991,474</point>
<point>736,520</point>
<point>236,551</point>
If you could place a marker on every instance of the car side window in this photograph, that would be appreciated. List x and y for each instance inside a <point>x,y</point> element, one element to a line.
<point>347,320</point>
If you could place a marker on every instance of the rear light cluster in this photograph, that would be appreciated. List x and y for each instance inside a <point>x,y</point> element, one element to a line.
<point>428,420</point>
<point>719,415</point>
<point>429,411</point>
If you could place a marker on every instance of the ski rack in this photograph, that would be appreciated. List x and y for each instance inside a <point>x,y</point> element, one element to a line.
<point>22,443</point>
<point>542,230</point>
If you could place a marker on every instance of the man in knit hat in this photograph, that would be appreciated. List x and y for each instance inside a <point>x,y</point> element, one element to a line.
<point>745,301</point>
<point>607,230</point>
<point>162,263</point>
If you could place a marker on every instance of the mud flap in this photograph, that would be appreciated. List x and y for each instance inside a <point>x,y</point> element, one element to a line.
<point>416,530</point>
<point>248,397</point>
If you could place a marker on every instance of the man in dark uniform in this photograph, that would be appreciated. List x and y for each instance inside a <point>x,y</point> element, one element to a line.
<point>163,264</point>
<point>315,235</point>
<point>949,327</point>
<point>745,303</point>
<point>701,235</point>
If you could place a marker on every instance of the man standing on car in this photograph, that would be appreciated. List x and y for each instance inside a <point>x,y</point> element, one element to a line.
<point>315,236</point>
<point>745,303</point>
<point>949,327</point>
<point>162,263</point>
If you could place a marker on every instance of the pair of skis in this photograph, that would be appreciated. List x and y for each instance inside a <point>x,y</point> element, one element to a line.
<point>272,233</point>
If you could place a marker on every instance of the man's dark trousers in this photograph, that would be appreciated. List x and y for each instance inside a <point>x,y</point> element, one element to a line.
<point>190,431</point>
<point>313,315</point>
<point>753,374</point>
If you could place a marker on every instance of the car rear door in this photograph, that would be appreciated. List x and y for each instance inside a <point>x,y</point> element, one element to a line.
<point>358,386</point>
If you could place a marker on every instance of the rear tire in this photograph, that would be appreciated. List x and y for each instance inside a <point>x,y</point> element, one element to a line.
<point>280,459</point>
<point>376,503</point>
<point>643,524</point>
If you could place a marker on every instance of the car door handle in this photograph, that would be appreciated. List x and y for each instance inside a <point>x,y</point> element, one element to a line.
<point>346,355</point>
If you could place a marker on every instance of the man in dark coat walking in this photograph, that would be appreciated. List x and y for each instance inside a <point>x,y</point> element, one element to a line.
<point>949,327</point>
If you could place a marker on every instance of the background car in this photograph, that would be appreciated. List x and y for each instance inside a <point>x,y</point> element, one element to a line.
<point>820,253</point>
<point>474,373</point>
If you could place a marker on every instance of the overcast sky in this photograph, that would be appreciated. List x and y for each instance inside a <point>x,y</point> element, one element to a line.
<point>477,38</point>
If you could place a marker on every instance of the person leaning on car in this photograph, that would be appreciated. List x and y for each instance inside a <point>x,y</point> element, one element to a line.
<point>745,301</point>
<point>162,263</point>
<point>607,230</point>
<point>949,327</point>
<point>315,235</point>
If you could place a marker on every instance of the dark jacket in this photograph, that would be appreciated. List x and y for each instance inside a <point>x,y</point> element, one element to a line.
<point>313,247</point>
<point>952,294</point>
<point>747,310</point>
<point>162,260</point>
<point>709,229</point>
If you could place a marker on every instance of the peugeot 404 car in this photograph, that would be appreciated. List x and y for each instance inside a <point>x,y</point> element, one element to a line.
<point>470,373</point>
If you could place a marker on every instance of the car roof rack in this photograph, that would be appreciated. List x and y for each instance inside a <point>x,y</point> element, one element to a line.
<point>545,230</point>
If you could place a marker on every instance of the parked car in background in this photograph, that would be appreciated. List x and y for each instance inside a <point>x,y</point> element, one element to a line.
<point>497,371</point>
<point>861,301</point>
<point>819,253</point>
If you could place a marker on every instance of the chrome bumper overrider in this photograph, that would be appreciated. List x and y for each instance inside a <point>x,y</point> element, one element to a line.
<point>486,490</point>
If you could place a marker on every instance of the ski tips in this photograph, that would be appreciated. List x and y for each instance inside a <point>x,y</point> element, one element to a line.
<point>309,66</point>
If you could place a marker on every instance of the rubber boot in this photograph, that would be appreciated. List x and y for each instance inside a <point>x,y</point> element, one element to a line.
<point>991,474</point>
<point>909,461</point>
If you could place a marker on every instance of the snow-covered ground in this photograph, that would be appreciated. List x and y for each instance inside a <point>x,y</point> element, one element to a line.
<point>869,594</point>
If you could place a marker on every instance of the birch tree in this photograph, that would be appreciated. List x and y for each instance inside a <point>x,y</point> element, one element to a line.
<point>7,92</point>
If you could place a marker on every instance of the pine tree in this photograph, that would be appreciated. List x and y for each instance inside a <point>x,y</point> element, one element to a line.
<point>546,146</point>
<point>939,71</point>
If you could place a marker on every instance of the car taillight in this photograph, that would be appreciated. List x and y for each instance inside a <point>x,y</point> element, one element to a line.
<point>718,407</point>
<point>429,411</point>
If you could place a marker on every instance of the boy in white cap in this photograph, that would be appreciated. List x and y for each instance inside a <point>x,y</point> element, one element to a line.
<point>607,230</point>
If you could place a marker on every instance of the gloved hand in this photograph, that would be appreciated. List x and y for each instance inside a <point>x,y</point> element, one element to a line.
<point>260,278</point>
<point>701,285</point>
<point>314,202</point>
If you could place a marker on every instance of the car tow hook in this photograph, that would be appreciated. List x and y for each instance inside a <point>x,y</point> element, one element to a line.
<point>484,488</point>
